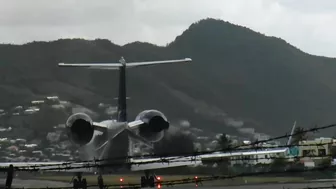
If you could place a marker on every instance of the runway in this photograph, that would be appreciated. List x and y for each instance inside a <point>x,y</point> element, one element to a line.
<point>282,186</point>
<point>260,186</point>
<point>19,183</point>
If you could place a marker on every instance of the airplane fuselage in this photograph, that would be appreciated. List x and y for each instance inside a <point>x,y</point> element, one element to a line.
<point>112,146</point>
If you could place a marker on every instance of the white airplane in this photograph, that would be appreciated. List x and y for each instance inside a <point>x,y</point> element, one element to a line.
<point>112,139</point>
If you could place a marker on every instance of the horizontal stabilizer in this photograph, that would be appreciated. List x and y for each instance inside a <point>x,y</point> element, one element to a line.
<point>113,66</point>
<point>134,64</point>
<point>89,64</point>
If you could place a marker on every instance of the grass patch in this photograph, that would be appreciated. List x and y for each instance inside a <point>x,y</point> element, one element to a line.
<point>273,179</point>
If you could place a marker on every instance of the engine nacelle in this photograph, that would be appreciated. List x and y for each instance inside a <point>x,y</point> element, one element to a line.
<point>79,128</point>
<point>155,123</point>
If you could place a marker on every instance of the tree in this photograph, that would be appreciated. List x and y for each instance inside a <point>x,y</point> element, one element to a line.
<point>327,172</point>
<point>333,151</point>
<point>43,121</point>
<point>224,143</point>
<point>326,162</point>
<point>176,144</point>
<point>278,164</point>
<point>299,135</point>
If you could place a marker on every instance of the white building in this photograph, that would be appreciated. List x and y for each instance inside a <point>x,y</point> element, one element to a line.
<point>31,110</point>
<point>52,97</point>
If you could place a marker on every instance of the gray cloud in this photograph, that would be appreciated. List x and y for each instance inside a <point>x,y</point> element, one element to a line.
<point>310,6</point>
<point>308,25</point>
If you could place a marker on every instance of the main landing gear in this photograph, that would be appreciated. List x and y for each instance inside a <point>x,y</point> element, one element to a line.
<point>100,182</point>
<point>148,180</point>
<point>79,182</point>
<point>10,175</point>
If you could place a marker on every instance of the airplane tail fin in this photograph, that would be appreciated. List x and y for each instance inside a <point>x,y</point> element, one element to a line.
<point>122,65</point>
<point>291,134</point>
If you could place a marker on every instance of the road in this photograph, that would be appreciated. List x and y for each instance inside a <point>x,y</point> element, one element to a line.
<point>19,183</point>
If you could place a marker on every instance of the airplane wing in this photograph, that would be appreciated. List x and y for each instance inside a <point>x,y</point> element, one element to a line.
<point>56,166</point>
<point>159,163</point>
<point>243,153</point>
<point>139,164</point>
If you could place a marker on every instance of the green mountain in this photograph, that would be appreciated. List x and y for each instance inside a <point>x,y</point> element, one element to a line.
<point>238,78</point>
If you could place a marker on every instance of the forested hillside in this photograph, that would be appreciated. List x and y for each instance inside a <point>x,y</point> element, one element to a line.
<point>238,78</point>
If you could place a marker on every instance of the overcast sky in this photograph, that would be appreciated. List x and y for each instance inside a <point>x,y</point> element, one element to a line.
<point>307,24</point>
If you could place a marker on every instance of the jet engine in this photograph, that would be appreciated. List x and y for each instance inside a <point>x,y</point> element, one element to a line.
<point>155,123</point>
<point>79,128</point>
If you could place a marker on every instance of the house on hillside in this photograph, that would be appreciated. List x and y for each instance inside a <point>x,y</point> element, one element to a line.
<point>13,148</point>
<point>20,140</point>
<point>31,110</point>
<point>37,102</point>
<point>2,112</point>
<point>18,110</point>
<point>52,100</point>
<point>30,145</point>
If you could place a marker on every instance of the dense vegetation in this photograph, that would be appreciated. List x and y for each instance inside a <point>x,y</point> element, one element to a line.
<point>236,72</point>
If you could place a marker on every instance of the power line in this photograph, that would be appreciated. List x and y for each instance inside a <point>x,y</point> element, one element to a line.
<point>193,157</point>
<point>166,158</point>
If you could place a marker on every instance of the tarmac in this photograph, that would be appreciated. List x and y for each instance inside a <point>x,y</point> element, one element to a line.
<point>19,183</point>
